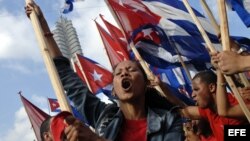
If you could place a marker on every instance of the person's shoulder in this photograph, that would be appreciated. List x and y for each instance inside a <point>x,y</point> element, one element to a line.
<point>111,109</point>
<point>173,111</point>
<point>61,60</point>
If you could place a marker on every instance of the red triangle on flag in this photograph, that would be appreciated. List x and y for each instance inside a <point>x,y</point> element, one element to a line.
<point>36,116</point>
<point>96,75</point>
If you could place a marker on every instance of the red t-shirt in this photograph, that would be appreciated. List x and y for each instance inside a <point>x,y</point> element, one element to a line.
<point>210,138</point>
<point>217,122</point>
<point>133,130</point>
<point>233,101</point>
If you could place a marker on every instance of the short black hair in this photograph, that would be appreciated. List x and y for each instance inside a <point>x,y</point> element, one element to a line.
<point>207,76</point>
<point>45,127</point>
<point>140,67</point>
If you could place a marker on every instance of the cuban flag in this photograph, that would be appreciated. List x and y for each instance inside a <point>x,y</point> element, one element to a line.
<point>68,6</point>
<point>175,77</point>
<point>97,77</point>
<point>115,51</point>
<point>177,80</point>
<point>164,32</point>
<point>164,24</point>
<point>242,8</point>
<point>55,107</point>
<point>116,34</point>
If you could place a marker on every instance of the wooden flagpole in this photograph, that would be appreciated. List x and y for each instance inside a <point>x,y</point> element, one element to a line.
<point>210,16</point>
<point>145,67</point>
<point>226,46</point>
<point>223,25</point>
<point>83,73</point>
<point>102,40</point>
<point>172,99</point>
<point>182,62</point>
<point>138,56</point>
<point>217,30</point>
<point>56,83</point>
<point>150,75</point>
<point>212,49</point>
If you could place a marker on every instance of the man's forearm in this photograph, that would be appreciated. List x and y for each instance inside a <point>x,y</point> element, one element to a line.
<point>51,43</point>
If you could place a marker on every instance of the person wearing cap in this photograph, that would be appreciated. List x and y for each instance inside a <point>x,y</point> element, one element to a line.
<point>65,127</point>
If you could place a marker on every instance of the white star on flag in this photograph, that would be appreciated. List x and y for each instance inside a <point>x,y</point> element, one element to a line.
<point>96,76</point>
<point>147,32</point>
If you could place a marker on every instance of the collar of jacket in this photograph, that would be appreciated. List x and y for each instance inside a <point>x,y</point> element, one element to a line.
<point>154,121</point>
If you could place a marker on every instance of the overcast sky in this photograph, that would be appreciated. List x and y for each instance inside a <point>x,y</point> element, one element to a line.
<point>21,64</point>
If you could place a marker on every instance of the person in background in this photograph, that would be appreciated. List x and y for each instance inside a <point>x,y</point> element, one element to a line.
<point>135,117</point>
<point>198,130</point>
<point>204,85</point>
<point>65,127</point>
<point>223,63</point>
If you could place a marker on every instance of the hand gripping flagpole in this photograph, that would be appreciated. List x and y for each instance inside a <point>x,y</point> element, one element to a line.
<point>226,46</point>
<point>56,83</point>
<point>225,43</point>
<point>217,30</point>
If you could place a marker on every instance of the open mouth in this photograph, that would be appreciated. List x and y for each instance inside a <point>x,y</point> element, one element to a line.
<point>126,84</point>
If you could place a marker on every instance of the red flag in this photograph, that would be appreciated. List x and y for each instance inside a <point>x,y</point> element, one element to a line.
<point>79,72</point>
<point>36,116</point>
<point>97,77</point>
<point>115,52</point>
<point>116,34</point>
<point>132,15</point>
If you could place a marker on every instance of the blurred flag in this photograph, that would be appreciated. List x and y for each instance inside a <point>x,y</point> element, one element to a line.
<point>163,25</point>
<point>177,80</point>
<point>79,72</point>
<point>36,115</point>
<point>116,34</point>
<point>68,6</point>
<point>176,77</point>
<point>163,32</point>
<point>55,107</point>
<point>115,51</point>
<point>97,77</point>
<point>242,8</point>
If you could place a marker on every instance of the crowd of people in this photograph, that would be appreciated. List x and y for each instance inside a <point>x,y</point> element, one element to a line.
<point>139,117</point>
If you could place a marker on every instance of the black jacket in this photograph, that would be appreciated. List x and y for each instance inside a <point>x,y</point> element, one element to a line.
<point>163,125</point>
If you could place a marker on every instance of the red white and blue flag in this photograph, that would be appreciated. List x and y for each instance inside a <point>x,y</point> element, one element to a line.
<point>55,107</point>
<point>166,25</point>
<point>115,51</point>
<point>68,6</point>
<point>160,38</point>
<point>79,73</point>
<point>116,34</point>
<point>97,77</point>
